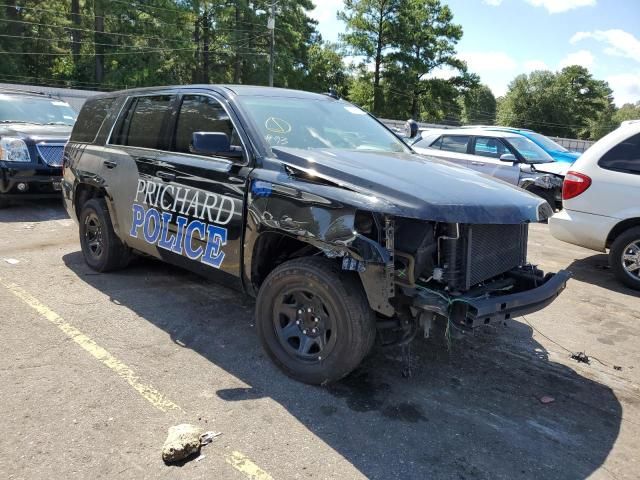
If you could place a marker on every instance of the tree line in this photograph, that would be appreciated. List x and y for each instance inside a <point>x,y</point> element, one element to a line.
<point>386,60</point>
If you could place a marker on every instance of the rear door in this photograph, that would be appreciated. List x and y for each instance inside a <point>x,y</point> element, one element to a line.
<point>486,159</point>
<point>130,163</point>
<point>201,197</point>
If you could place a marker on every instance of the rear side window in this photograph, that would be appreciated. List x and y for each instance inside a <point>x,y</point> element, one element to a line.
<point>624,157</point>
<point>200,113</point>
<point>90,120</point>
<point>143,122</point>
<point>455,143</point>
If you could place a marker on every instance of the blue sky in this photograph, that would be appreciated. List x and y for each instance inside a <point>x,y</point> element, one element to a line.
<point>503,38</point>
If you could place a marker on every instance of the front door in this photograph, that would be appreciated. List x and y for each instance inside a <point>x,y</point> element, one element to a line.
<point>199,199</point>
<point>486,153</point>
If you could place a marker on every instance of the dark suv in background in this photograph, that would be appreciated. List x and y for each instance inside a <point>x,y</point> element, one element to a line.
<point>33,130</point>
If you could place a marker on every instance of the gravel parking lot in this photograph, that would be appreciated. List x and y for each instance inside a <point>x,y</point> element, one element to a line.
<point>96,367</point>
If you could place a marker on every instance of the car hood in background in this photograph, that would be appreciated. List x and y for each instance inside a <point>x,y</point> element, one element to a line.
<point>565,157</point>
<point>421,187</point>
<point>556,168</point>
<point>36,132</point>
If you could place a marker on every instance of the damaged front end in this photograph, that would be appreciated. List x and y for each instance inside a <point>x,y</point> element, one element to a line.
<point>470,274</point>
<point>455,250</point>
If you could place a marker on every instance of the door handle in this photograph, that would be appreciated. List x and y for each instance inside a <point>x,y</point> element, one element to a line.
<point>480,164</point>
<point>166,176</point>
<point>109,164</point>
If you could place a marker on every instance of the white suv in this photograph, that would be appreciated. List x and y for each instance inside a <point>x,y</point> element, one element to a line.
<point>601,198</point>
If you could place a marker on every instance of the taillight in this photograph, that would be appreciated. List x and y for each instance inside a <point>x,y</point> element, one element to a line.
<point>574,184</point>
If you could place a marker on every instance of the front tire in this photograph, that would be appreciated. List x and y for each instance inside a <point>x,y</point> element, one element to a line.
<point>102,249</point>
<point>624,257</point>
<point>314,320</point>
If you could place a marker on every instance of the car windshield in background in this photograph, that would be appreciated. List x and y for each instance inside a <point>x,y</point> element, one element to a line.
<point>44,111</point>
<point>548,144</point>
<point>318,124</point>
<point>531,152</point>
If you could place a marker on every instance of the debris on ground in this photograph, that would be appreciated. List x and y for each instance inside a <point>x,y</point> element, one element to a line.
<point>545,399</point>
<point>185,440</point>
<point>208,437</point>
<point>581,357</point>
<point>617,367</point>
<point>12,261</point>
<point>182,441</point>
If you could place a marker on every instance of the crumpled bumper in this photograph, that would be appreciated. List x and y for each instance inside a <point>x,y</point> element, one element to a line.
<point>473,312</point>
<point>41,181</point>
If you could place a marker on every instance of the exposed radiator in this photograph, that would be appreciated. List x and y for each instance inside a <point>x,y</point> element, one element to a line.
<point>482,252</point>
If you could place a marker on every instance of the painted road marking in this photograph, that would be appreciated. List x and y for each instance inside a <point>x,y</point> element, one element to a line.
<point>156,398</point>
<point>237,460</point>
<point>245,466</point>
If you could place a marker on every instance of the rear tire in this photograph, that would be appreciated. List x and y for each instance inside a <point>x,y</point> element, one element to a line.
<point>102,249</point>
<point>624,254</point>
<point>314,320</point>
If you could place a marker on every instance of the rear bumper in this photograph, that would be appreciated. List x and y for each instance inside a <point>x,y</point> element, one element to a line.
<point>582,229</point>
<point>40,181</point>
<point>535,293</point>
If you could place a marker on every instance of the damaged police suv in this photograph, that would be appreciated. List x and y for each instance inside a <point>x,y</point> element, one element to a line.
<point>307,202</point>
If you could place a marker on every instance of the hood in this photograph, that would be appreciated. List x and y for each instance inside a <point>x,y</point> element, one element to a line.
<point>36,132</point>
<point>566,157</point>
<point>556,168</point>
<point>421,187</point>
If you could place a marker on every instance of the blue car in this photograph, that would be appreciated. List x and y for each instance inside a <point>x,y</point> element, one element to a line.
<point>554,149</point>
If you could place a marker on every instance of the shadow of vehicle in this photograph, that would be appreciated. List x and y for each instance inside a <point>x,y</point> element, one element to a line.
<point>595,270</point>
<point>33,211</point>
<point>472,412</point>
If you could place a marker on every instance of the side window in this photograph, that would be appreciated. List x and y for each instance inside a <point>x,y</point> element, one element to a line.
<point>455,143</point>
<point>142,124</point>
<point>90,120</point>
<point>200,113</point>
<point>427,141</point>
<point>624,157</point>
<point>489,147</point>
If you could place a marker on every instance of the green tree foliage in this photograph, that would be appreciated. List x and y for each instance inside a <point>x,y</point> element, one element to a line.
<point>372,26</point>
<point>569,103</point>
<point>109,44</point>
<point>628,111</point>
<point>478,106</point>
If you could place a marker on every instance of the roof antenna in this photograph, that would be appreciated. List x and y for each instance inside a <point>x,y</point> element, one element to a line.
<point>333,93</point>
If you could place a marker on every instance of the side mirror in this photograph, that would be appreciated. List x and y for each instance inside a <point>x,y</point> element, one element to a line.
<point>508,157</point>
<point>213,143</point>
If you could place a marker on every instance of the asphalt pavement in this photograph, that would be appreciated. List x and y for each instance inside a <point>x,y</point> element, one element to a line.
<point>96,368</point>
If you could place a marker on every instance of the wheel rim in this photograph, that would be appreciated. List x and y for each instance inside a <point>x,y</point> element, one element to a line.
<point>93,235</point>
<point>631,259</point>
<point>304,324</point>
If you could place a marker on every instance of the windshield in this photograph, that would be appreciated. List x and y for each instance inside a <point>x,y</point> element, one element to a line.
<point>531,152</point>
<point>44,111</point>
<point>318,124</point>
<point>548,144</point>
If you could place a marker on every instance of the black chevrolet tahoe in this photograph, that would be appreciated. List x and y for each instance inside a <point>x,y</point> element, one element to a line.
<point>33,130</point>
<point>305,201</point>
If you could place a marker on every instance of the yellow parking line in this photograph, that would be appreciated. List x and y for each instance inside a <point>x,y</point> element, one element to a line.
<point>237,460</point>
<point>156,398</point>
<point>244,465</point>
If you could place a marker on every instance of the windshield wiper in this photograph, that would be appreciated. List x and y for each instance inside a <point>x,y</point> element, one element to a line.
<point>59,123</point>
